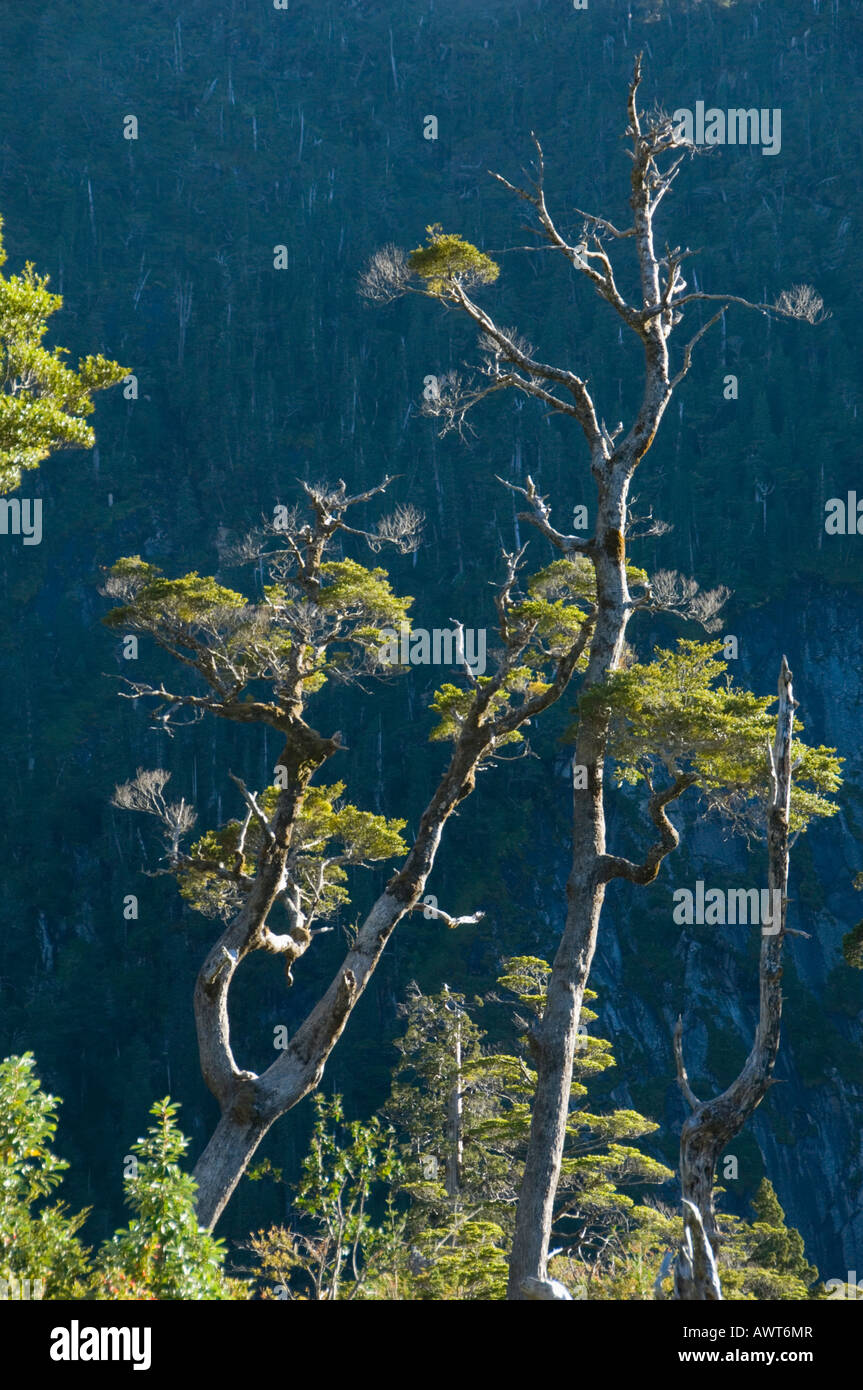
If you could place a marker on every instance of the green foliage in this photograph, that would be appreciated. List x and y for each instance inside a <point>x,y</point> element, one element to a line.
<point>626,1266</point>
<point>675,713</point>
<point>760,1260</point>
<point>852,947</point>
<point>361,595</point>
<point>163,1250</point>
<point>558,598</point>
<point>225,390</point>
<point>551,616</point>
<point>527,977</point>
<point>440,1045</point>
<point>337,1253</point>
<point>765,1259</point>
<point>447,260</point>
<point>185,602</point>
<point>466,1261</point>
<point>38,1242</point>
<point>43,402</point>
<point>452,704</point>
<point>449,1191</point>
<point>328,836</point>
<point>292,636</point>
<point>162,1254</point>
<point>457,1175</point>
<point>191,614</point>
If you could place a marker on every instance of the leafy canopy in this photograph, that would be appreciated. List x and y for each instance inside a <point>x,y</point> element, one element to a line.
<point>447,260</point>
<point>329,836</point>
<point>43,402</point>
<point>681,712</point>
<point>38,1242</point>
<point>765,1259</point>
<point>162,1254</point>
<point>291,637</point>
<point>550,617</point>
<point>443,1051</point>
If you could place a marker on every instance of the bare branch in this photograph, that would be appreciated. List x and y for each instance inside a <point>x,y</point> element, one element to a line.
<point>440,916</point>
<point>673,592</point>
<point>539,517</point>
<point>387,275</point>
<point>145,793</point>
<point>802,302</point>
<point>683,1079</point>
<point>614,866</point>
<point>696,338</point>
<point>254,808</point>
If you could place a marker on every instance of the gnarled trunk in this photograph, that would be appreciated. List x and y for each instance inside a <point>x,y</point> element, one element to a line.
<point>713,1124</point>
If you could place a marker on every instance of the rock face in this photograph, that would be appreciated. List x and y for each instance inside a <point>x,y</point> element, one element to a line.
<point>286,374</point>
<point>810,1129</point>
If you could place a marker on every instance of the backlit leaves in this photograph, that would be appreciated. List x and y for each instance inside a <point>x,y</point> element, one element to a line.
<point>43,402</point>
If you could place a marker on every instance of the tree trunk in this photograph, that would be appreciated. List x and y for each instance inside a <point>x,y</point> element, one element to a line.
<point>713,1124</point>
<point>250,1104</point>
<point>454,1124</point>
<point>223,1163</point>
<point>696,1276</point>
<point>553,1041</point>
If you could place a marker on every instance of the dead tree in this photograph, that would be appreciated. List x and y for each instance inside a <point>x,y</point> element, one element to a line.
<point>271,861</point>
<point>447,270</point>
<point>712,1124</point>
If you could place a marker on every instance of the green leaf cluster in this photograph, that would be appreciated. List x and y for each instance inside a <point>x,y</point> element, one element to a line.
<point>335,1250</point>
<point>452,704</point>
<point>328,836</point>
<point>765,1259</point>
<point>232,641</point>
<point>163,1249</point>
<point>681,712</point>
<point>43,402</point>
<point>443,1052</point>
<point>447,259</point>
<point>38,1242</point>
<point>162,1254</point>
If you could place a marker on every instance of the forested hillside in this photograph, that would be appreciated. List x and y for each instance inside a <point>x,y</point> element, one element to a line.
<point>258,129</point>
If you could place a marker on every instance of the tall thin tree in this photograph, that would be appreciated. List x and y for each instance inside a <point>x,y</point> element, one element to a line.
<point>712,1124</point>
<point>446,269</point>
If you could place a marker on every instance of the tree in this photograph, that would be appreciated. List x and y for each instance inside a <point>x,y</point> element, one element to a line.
<point>463,1109</point>
<point>320,619</point>
<point>765,1259</point>
<point>711,1125</point>
<point>758,1260</point>
<point>43,403</point>
<point>163,1253</point>
<point>40,1254</point>
<point>338,1251</point>
<point>445,272</point>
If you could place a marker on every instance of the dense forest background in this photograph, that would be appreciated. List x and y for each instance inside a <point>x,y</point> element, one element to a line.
<point>304,127</point>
